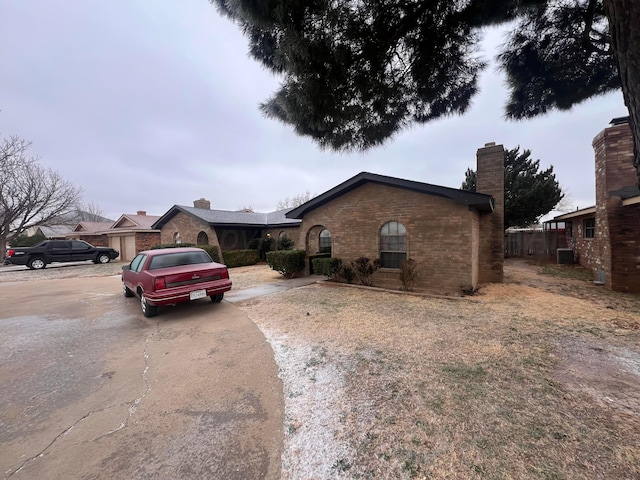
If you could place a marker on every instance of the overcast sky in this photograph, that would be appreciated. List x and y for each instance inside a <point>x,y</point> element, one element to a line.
<point>148,104</point>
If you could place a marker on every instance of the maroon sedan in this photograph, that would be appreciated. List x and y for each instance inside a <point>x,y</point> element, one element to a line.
<point>172,275</point>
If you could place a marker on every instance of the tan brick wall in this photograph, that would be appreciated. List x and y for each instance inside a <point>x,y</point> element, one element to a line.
<point>440,234</point>
<point>146,240</point>
<point>491,227</point>
<point>188,227</point>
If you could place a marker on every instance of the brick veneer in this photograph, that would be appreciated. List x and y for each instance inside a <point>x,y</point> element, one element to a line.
<point>440,233</point>
<point>146,240</point>
<point>490,180</point>
<point>617,242</point>
<point>189,227</point>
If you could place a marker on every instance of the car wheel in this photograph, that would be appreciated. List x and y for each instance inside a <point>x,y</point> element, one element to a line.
<point>217,298</point>
<point>104,258</point>
<point>36,264</point>
<point>147,310</point>
<point>127,291</point>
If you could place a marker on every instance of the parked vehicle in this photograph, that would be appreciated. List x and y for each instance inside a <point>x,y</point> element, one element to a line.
<point>167,276</point>
<point>51,251</point>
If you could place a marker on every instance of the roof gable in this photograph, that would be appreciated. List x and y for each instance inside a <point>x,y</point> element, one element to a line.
<point>135,222</point>
<point>479,201</point>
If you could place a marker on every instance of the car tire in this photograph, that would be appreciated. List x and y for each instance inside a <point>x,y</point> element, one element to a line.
<point>217,298</point>
<point>147,310</point>
<point>37,263</point>
<point>103,258</point>
<point>127,291</point>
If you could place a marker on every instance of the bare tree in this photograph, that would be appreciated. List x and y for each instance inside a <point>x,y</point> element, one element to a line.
<point>295,201</point>
<point>29,193</point>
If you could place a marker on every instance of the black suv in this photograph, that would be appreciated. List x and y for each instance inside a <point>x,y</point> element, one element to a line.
<point>50,251</point>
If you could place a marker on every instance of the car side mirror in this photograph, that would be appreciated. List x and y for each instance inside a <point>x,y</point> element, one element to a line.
<point>126,267</point>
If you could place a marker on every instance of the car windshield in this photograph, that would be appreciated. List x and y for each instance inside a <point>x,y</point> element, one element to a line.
<point>176,259</point>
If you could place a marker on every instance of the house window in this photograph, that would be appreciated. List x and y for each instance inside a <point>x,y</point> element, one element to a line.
<point>324,241</point>
<point>203,239</point>
<point>590,228</point>
<point>176,238</point>
<point>393,245</point>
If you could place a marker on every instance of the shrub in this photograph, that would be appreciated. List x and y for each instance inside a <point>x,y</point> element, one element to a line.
<point>313,257</point>
<point>285,243</point>
<point>240,258</point>
<point>172,245</point>
<point>26,241</point>
<point>212,250</point>
<point>346,273</point>
<point>364,269</point>
<point>262,245</point>
<point>408,274</point>
<point>329,267</point>
<point>286,262</point>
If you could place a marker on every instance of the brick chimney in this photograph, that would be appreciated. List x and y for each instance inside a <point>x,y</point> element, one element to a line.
<point>617,237</point>
<point>490,180</point>
<point>202,203</point>
<point>141,213</point>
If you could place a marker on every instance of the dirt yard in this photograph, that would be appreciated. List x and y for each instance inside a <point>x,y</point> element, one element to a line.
<point>538,377</point>
<point>535,378</point>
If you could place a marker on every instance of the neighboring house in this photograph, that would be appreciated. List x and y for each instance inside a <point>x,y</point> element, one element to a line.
<point>131,234</point>
<point>606,237</point>
<point>455,236</point>
<point>228,230</point>
<point>61,225</point>
<point>52,231</point>
<point>92,232</point>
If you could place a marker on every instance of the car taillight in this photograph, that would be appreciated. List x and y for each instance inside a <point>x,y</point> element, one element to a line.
<point>10,253</point>
<point>159,283</point>
<point>224,273</point>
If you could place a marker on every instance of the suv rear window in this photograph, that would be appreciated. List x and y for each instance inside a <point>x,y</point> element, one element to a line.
<point>176,259</point>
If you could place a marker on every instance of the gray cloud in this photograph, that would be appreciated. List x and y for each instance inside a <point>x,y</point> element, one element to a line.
<point>146,105</point>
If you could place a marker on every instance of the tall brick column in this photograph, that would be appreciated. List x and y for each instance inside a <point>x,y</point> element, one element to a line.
<point>490,180</point>
<point>617,236</point>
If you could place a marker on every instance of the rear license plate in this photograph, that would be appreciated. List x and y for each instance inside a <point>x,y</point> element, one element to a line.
<point>197,294</point>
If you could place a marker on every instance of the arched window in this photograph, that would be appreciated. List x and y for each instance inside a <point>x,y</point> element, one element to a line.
<point>203,239</point>
<point>393,245</point>
<point>324,241</point>
<point>176,238</point>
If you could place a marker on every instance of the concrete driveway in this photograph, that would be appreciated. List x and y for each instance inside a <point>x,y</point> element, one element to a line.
<point>91,389</point>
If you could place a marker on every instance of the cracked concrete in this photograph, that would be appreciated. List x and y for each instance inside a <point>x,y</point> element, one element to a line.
<point>91,389</point>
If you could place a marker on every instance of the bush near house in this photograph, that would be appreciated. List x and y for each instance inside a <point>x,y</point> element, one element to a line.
<point>172,245</point>
<point>363,269</point>
<point>312,268</point>
<point>262,245</point>
<point>408,274</point>
<point>329,267</point>
<point>212,250</point>
<point>285,243</point>
<point>286,262</point>
<point>241,258</point>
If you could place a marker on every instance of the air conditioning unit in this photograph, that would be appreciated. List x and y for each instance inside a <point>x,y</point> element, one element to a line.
<point>565,256</point>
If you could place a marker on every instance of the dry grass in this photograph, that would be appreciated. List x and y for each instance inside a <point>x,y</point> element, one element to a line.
<point>517,382</point>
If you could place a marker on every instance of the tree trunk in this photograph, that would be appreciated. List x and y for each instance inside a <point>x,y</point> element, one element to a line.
<point>624,25</point>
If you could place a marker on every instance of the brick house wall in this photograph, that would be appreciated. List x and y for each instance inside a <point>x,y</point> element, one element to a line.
<point>188,227</point>
<point>146,240</point>
<point>616,249</point>
<point>95,240</point>
<point>440,234</point>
